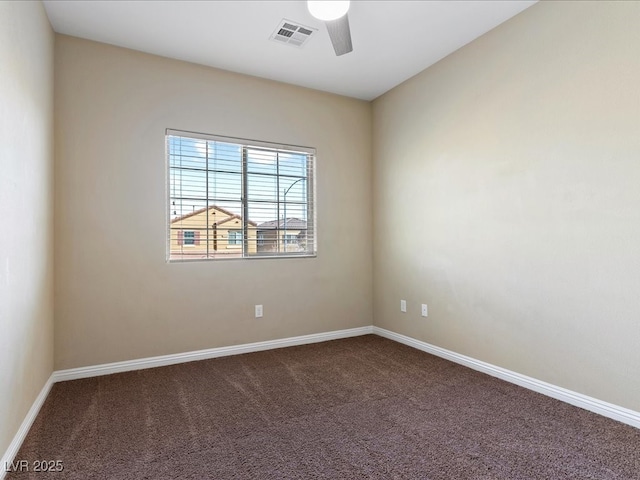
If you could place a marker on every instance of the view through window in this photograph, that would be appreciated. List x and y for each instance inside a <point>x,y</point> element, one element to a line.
<point>231,198</point>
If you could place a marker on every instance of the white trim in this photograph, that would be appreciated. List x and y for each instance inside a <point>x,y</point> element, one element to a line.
<point>20,435</point>
<point>241,141</point>
<point>621,414</point>
<point>163,360</point>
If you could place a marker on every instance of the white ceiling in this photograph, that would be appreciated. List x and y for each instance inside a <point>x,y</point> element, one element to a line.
<point>392,40</point>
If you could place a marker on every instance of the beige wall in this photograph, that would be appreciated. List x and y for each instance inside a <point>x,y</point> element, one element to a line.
<point>507,197</point>
<point>116,297</point>
<point>26,196</point>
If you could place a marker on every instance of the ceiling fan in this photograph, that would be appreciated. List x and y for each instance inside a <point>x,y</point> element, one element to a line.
<point>334,15</point>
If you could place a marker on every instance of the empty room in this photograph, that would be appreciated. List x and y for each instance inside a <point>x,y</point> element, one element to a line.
<point>342,240</point>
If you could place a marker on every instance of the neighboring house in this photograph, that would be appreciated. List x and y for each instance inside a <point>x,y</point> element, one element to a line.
<point>208,233</point>
<point>282,236</point>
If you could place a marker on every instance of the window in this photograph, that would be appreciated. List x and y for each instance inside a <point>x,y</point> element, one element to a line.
<point>232,198</point>
<point>189,237</point>
<point>235,237</point>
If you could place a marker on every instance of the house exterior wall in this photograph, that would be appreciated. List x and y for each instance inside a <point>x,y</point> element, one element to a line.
<point>211,237</point>
<point>268,240</point>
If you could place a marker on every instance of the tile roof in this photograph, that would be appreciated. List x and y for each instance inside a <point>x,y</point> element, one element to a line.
<point>231,215</point>
<point>292,223</point>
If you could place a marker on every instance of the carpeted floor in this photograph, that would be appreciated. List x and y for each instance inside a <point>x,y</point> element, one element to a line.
<point>364,407</point>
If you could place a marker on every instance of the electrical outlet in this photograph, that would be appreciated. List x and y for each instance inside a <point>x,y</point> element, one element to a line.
<point>403,306</point>
<point>258,311</point>
<point>425,311</point>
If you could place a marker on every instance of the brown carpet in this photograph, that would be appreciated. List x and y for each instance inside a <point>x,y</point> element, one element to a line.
<point>364,407</point>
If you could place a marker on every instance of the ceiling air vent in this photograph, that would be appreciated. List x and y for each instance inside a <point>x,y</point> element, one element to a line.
<point>292,33</point>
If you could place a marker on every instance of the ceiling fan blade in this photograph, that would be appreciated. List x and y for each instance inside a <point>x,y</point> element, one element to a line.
<point>340,35</point>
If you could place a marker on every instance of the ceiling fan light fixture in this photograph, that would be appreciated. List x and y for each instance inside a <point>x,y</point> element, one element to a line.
<point>328,10</point>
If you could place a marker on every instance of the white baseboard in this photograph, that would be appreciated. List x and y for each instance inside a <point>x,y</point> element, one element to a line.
<point>19,437</point>
<point>163,360</point>
<point>621,414</point>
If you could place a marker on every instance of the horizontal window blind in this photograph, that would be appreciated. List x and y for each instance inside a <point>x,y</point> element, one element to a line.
<point>234,198</point>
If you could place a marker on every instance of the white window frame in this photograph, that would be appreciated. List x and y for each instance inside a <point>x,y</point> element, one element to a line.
<point>308,181</point>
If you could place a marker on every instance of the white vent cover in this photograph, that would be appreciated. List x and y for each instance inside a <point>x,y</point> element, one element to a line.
<point>292,33</point>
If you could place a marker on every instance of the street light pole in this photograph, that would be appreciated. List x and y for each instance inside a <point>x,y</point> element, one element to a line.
<point>285,212</point>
